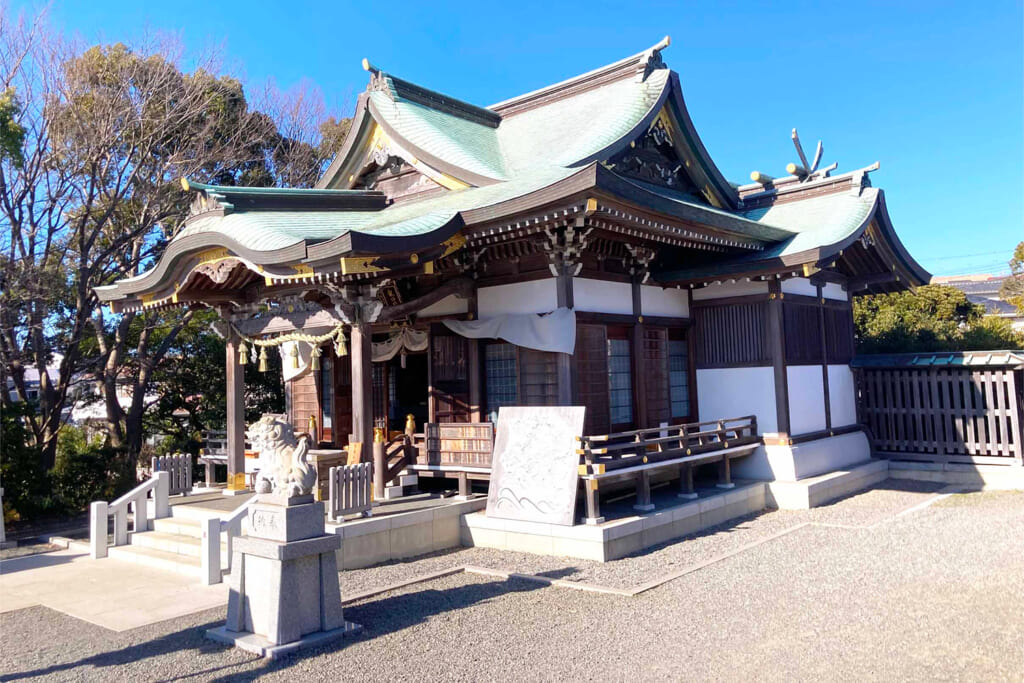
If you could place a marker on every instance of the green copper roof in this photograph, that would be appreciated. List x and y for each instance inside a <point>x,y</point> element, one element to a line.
<point>270,230</point>
<point>459,142</point>
<point>571,129</point>
<point>818,221</point>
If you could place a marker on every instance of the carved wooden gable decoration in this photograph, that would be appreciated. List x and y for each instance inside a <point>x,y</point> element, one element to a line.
<point>663,156</point>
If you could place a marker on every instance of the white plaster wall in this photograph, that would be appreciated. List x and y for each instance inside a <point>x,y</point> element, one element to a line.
<point>450,305</point>
<point>833,291</point>
<point>799,285</point>
<point>842,395</point>
<point>536,296</point>
<point>735,392</point>
<point>601,296</point>
<point>671,303</point>
<point>790,463</point>
<point>806,399</point>
<point>724,289</point>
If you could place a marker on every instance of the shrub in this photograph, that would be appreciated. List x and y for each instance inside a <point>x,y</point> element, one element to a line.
<point>25,482</point>
<point>86,470</point>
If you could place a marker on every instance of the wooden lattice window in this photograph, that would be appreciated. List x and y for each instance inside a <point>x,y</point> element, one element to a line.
<point>802,329</point>
<point>731,335</point>
<point>839,334</point>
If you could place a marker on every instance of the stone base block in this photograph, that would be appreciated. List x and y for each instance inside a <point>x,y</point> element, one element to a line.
<point>286,523</point>
<point>257,644</point>
<point>813,491</point>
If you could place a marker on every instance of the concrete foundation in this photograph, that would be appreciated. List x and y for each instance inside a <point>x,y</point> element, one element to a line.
<point>810,459</point>
<point>366,542</point>
<point>619,537</point>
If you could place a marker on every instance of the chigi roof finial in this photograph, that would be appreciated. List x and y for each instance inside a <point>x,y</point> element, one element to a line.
<point>806,171</point>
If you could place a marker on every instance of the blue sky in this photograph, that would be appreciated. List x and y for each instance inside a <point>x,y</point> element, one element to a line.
<point>932,90</point>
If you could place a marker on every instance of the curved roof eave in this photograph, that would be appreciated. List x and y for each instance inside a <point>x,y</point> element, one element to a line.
<point>355,242</point>
<point>179,249</point>
<point>351,149</point>
<point>724,190</point>
<point>912,267</point>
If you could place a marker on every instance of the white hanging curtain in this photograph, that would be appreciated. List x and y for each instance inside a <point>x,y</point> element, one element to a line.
<point>554,331</point>
<point>303,352</point>
<point>406,339</point>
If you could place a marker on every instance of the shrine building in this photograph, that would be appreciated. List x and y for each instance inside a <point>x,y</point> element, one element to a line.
<point>575,245</point>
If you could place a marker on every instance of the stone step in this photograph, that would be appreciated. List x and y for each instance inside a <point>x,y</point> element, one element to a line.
<point>184,526</point>
<point>393,492</point>
<point>159,559</point>
<point>408,480</point>
<point>178,544</point>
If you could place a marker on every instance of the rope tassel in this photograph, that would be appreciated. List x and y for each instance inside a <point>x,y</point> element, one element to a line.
<point>243,354</point>
<point>340,348</point>
<point>293,352</point>
<point>315,358</point>
<point>263,359</point>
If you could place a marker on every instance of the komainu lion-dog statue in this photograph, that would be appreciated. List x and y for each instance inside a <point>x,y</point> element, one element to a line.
<point>284,469</point>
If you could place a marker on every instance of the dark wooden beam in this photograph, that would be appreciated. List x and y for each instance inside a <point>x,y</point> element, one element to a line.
<point>461,286</point>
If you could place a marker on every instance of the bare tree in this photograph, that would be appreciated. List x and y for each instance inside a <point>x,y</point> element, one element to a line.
<point>92,195</point>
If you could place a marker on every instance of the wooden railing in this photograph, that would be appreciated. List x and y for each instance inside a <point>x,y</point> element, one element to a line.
<point>135,502</point>
<point>179,467</point>
<point>955,413</point>
<point>389,459</point>
<point>350,490</point>
<point>639,453</point>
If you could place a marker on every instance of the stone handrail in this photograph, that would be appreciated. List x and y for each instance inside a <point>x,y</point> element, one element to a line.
<point>134,501</point>
<point>212,528</point>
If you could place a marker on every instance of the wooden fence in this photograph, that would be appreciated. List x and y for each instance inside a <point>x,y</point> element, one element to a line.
<point>964,408</point>
<point>349,490</point>
<point>179,467</point>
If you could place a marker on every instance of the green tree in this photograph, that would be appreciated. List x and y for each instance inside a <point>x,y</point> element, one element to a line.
<point>105,135</point>
<point>928,318</point>
<point>1012,289</point>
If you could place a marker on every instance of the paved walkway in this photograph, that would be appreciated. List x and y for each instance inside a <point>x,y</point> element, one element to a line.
<point>892,584</point>
<point>110,593</point>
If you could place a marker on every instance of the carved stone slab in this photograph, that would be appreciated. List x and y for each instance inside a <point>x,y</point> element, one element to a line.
<point>535,467</point>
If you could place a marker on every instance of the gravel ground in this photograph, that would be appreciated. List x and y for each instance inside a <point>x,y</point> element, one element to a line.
<point>936,594</point>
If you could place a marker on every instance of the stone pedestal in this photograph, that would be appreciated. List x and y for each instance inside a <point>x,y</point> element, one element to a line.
<point>284,591</point>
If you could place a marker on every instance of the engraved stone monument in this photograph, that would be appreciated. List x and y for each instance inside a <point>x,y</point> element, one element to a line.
<point>284,591</point>
<point>535,466</point>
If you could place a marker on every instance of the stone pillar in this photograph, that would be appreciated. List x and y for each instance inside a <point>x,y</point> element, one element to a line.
<point>362,388</point>
<point>284,592</point>
<point>236,418</point>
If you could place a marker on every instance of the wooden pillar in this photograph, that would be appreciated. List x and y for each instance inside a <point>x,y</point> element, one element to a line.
<point>236,417</point>
<point>777,347</point>
<point>361,353</point>
<point>593,500</point>
<point>824,359</point>
<point>686,483</point>
<point>563,362</point>
<point>643,492</point>
<point>639,376</point>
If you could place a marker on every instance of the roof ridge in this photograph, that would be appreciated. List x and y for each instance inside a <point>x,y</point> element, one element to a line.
<point>399,88</point>
<point>638,65</point>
